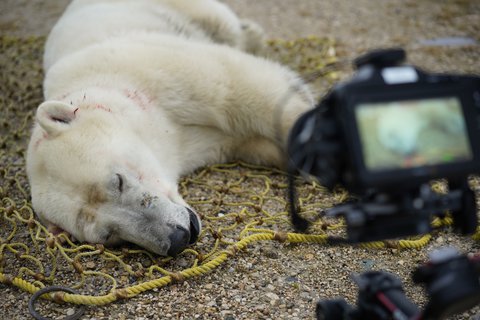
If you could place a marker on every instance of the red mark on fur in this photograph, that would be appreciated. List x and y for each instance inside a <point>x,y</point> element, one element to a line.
<point>102,107</point>
<point>97,106</point>
<point>140,99</point>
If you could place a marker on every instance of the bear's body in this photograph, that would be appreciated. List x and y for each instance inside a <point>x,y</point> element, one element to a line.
<point>138,93</point>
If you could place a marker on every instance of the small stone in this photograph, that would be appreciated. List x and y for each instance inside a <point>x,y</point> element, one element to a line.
<point>272,254</point>
<point>305,295</point>
<point>212,303</point>
<point>309,256</point>
<point>225,313</point>
<point>182,263</point>
<point>270,287</point>
<point>368,264</point>
<point>272,296</point>
<point>70,312</point>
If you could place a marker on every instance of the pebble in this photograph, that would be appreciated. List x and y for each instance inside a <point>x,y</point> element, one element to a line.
<point>182,263</point>
<point>367,264</point>
<point>272,254</point>
<point>270,287</point>
<point>272,296</point>
<point>305,295</point>
<point>309,256</point>
<point>212,303</point>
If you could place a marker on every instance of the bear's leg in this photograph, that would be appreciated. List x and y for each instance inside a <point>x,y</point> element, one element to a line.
<point>265,100</point>
<point>245,98</point>
<point>219,22</point>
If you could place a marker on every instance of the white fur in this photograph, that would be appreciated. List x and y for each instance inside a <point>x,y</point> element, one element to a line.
<point>149,90</point>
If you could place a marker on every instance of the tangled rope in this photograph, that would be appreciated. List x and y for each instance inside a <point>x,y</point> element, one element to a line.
<point>240,204</point>
<point>223,215</point>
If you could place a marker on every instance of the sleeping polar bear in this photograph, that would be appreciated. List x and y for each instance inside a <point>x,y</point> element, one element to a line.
<point>138,93</point>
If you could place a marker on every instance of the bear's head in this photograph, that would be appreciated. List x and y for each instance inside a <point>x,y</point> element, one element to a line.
<point>94,177</point>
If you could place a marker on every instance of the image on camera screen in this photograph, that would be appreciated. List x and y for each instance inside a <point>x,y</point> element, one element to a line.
<point>412,133</point>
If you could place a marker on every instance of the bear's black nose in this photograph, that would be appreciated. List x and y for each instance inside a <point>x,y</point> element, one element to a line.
<point>179,240</point>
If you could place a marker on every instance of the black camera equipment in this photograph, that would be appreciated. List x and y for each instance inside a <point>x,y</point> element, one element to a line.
<point>384,136</point>
<point>451,281</point>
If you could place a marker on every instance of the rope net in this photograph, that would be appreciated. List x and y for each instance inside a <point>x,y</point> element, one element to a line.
<point>239,203</point>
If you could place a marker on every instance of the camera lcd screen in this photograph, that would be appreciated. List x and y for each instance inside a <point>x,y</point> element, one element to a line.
<point>412,133</point>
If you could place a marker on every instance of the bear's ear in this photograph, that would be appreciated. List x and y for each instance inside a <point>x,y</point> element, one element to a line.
<point>55,116</point>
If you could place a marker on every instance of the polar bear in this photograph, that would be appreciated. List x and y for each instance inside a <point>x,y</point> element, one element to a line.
<point>139,93</point>
<point>399,127</point>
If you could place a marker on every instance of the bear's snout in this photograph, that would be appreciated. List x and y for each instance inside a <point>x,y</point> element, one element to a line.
<point>180,237</point>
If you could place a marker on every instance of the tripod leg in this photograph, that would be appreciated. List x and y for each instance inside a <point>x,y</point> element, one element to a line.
<point>465,219</point>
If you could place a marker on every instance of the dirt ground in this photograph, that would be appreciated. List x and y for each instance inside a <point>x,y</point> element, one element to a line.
<point>275,281</point>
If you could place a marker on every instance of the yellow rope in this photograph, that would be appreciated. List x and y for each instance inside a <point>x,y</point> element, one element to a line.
<point>61,246</point>
<point>204,268</point>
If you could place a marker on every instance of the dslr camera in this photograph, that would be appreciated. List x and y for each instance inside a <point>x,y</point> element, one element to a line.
<point>450,279</point>
<point>384,136</point>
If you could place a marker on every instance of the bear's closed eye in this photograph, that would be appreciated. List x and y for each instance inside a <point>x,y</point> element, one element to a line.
<point>120,182</point>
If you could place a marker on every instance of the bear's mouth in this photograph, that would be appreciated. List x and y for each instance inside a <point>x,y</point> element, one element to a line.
<point>194,227</point>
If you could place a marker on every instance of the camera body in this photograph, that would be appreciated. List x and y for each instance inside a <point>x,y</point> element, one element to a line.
<point>384,135</point>
<point>451,280</point>
<point>378,126</point>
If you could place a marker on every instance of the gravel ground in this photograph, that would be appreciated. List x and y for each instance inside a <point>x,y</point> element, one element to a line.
<point>275,281</point>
